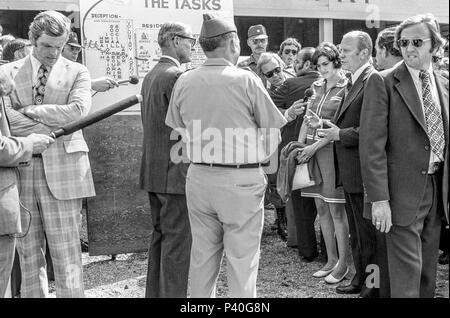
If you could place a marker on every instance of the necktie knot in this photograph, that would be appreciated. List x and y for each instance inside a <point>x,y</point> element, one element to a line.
<point>424,76</point>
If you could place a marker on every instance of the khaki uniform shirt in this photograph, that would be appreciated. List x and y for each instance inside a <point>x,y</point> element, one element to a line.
<point>221,109</point>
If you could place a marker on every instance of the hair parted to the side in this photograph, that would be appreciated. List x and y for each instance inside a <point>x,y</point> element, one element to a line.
<point>330,51</point>
<point>386,39</point>
<point>51,23</point>
<point>364,40</point>
<point>289,41</point>
<point>266,58</point>
<point>210,44</point>
<point>168,31</point>
<point>432,24</point>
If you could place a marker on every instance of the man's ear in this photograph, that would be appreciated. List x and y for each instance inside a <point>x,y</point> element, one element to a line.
<point>32,39</point>
<point>306,65</point>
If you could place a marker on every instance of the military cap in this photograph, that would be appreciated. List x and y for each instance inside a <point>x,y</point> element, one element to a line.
<point>214,26</point>
<point>73,40</point>
<point>257,32</point>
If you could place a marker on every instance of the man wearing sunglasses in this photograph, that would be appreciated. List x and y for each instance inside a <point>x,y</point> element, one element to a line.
<point>289,50</point>
<point>404,147</point>
<point>257,40</point>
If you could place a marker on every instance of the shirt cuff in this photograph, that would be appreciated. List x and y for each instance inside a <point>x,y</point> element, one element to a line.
<point>288,118</point>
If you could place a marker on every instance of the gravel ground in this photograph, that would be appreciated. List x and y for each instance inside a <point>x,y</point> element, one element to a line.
<point>281,273</point>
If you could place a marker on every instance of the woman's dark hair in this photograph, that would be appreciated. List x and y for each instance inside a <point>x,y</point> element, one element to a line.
<point>330,51</point>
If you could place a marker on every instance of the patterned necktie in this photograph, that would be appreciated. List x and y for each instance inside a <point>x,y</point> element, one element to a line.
<point>433,116</point>
<point>39,89</point>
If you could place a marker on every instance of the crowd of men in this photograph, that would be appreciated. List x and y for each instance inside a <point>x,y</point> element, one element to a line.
<point>210,138</point>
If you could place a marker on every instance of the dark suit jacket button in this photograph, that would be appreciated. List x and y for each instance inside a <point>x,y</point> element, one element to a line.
<point>427,148</point>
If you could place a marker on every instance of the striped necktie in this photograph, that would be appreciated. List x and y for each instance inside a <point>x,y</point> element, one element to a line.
<point>433,116</point>
<point>39,89</point>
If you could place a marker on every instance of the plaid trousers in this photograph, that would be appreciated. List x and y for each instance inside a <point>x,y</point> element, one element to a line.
<point>55,221</point>
<point>7,245</point>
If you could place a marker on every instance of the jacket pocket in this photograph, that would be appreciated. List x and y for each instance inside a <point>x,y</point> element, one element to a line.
<point>78,145</point>
<point>7,179</point>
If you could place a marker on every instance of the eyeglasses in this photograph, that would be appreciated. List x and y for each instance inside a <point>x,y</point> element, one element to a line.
<point>270,74</point>
<point>257,41</point>
<point>415,42</point>
<point>289,51</point>
<point>192,40</point>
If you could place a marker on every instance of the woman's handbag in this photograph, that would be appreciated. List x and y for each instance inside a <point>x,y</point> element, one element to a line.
<point>301,177</point>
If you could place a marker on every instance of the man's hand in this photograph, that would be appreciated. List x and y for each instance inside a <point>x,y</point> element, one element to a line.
<point>306,154</point>
<point>297,109</point>
<point>103,84</point>
<point>313,120</point>
<point>332,133</point>
<point>382,216</point>
<point>40,142</point>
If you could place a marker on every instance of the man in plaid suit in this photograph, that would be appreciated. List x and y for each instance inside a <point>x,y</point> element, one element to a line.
<point>53,91</point>
<point>13,152</point>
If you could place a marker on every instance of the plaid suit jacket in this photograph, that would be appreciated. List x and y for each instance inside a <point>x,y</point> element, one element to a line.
<point>67,98</point>
<point>13,152</point>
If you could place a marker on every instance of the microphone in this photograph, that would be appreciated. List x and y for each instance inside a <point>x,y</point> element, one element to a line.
<point>132,80</point>
<point>95,117</point>
<point>308,93</point>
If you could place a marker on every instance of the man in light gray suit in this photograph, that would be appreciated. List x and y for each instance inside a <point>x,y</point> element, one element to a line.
<point>13,152</point>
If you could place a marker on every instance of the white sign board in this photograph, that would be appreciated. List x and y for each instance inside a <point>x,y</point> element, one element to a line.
<point>121,38</point>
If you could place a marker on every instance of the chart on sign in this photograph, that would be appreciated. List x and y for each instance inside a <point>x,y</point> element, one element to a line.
<point>111,44</point>
<point>120,39</point>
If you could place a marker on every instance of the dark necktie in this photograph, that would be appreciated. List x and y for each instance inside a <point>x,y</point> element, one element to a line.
<point>39,89</point>
<point>349,81</point>
<point>433,116</point>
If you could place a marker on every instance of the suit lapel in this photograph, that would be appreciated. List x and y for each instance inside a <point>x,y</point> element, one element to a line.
<point>24,83</point>
<point>443,96</point>
<point>57,75</point>
<point>355,90</point>
<point>408,92</point>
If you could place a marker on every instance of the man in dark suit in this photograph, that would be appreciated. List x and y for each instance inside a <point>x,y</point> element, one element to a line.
<point>161,176</point>
<point>285,98</point>
<point>14,152</point>
<point>404,157</point>
<point>356,50</point>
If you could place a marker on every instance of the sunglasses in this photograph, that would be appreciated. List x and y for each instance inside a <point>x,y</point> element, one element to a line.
<point>415,42</point>
<point>289,51</point>
<point>257,41</point>
<point>270,74</point>
<point>192,40</point>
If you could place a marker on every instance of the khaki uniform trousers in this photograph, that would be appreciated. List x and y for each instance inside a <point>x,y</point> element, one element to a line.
<point>226,213</point>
